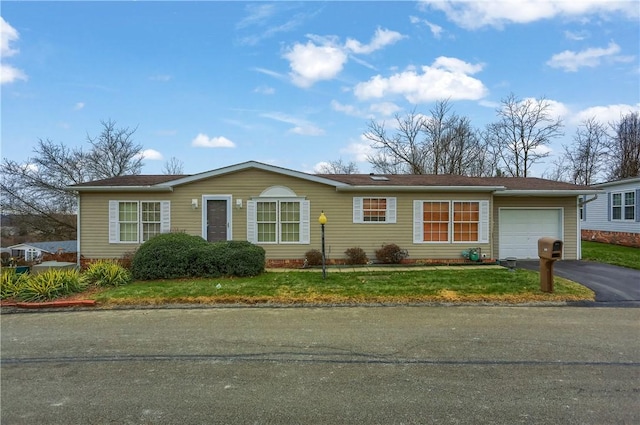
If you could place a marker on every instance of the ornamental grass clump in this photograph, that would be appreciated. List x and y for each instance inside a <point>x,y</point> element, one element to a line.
<point>107,273</point>
<point>51,284</point>
<point>11,282</point>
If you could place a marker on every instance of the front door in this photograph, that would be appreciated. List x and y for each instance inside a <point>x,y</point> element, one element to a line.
<point>216,220</point>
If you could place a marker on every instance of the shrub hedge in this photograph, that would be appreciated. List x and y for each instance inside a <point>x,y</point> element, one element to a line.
<point>391,254</point>
<point>178,255</point>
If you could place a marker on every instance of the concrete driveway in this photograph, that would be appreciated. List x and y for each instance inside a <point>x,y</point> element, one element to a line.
<point>615,285</point>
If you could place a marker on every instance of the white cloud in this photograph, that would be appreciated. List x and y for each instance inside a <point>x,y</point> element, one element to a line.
<point>570,61</point>
<point>300,126</point>
<point>311,63</point>
<point>320,166</point>
<point>385,108</point>
<point>203,141</point>
<point>605,114</point>
<point>8,35</point>
<point>436,30</point>
<point>151,154</point>
<point>446,78</point>
<point>382,38</point>
<point>360,150</point>
<point>9,74</point>
<point>576,36</point>
<point>163,78</point>
<point>348,109</point>
<point>264,90</point>
<point>323,57</point>
<point>474,14</point>
<point>78,106</point>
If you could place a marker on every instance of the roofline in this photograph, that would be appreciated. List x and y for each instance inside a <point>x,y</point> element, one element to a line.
<point>252,164</point>
<point>390,188</point>
<point>565,192</point>
<point>16,247</point>
<point>154,188</point>
<point>617,182</point>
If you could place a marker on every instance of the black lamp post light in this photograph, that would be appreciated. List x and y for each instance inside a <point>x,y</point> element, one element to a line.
<point>323,220</point>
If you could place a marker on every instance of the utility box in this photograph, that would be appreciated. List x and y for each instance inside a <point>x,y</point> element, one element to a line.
<point>549,251</point>
<point>550,248</point>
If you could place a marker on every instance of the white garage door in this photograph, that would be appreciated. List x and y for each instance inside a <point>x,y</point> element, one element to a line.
<point>520,230</point>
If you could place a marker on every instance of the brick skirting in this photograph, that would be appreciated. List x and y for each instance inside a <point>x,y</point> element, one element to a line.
<point>616,238</point>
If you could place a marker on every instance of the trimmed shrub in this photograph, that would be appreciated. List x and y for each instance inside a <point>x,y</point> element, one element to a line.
<point>165,256</point>
<point>313,257</point>
<point>207,261</point>
<point>391,254</point>
<point>356,256</point>
<point>227,258</point>
<point>106,273</point>
<point>51,284</point>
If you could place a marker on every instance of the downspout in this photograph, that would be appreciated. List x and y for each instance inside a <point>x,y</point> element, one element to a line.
<point>582,203</point>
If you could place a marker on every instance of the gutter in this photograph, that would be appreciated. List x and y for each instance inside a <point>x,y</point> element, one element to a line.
<point>420,189</point>
<point>120,189</point>
<point>548,192</point>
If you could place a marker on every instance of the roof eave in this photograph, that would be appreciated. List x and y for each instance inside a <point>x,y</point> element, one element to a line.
<point>390,188</point>
<point>565,192</point>
<point>155,188</point>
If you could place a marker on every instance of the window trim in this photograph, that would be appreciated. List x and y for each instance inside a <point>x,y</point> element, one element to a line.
<point>390,213</point>
<point>252,222</point>
<point>483,221</point>
<point>623,206</point>
<point>114,219</point>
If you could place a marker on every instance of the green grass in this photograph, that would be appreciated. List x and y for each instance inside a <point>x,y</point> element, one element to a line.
<point>611,254</point>
<point>458,285</point>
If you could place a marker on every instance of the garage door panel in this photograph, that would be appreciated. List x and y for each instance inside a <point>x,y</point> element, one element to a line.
<point>520,230</point>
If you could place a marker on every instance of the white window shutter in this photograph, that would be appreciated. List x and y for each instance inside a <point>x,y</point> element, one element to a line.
<point>113,222</point>
<point>252,227</point>
<point>391,210</point>
<point>483,232</point>
<point>165,216</point>
<point>357,210</point>
<point>305,223</point>
<point>418,230</point>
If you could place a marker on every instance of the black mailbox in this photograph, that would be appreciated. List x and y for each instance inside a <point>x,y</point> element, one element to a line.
<point>550,248</point>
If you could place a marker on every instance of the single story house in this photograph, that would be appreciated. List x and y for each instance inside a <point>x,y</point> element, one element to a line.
<point>614,216</point>
<point>30,251</point>
<point>434,217</point>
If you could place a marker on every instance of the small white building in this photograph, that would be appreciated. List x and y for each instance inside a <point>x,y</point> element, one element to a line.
<point>613,217</point>
<point>30,251</point>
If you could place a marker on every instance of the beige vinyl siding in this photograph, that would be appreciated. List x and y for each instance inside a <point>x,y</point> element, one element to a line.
<point>569,225</point>
<point>340,231</point>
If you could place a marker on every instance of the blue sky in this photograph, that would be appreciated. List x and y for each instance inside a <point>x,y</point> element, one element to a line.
<point>294,84</point>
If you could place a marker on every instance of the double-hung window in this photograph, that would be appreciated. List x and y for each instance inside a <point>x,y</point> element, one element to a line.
<point>374,210</point>
<point>450,221</point>
<point>623,206</point>
<point>137,221</point>
<point>278,221</point>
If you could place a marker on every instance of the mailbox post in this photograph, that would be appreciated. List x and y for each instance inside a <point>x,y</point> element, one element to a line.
<point>549,251</point>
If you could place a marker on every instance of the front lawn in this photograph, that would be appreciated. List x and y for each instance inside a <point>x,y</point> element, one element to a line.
<point>611,254</point>
<point>387,286</point>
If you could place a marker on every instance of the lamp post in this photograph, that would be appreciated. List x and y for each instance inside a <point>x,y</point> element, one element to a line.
<point>323,220</point>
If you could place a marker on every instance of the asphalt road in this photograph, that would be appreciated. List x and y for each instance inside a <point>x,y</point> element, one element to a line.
<point>380,365</point>
<point>619,286</point>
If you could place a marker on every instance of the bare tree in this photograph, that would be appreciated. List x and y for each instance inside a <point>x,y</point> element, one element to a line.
<point>441,143</point>
<point>35,190</point>
<point>338,167</point>
<point>586,157</point>
<point>173,166</point>
<point>401,151</point>
<point>523,130</point>
<point>625,147</point>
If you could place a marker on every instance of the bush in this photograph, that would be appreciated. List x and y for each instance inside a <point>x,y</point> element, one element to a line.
<point>11,283</point>
<point>107,273</point>
<point>227,258</point>
<point>313,257</point>
<point>356,256</point>
<point>165,256</point>
<point>51,284</point>
<point>391,254</point>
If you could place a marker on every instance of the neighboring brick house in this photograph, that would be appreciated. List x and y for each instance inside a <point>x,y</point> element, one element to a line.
<point>613,217</point>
